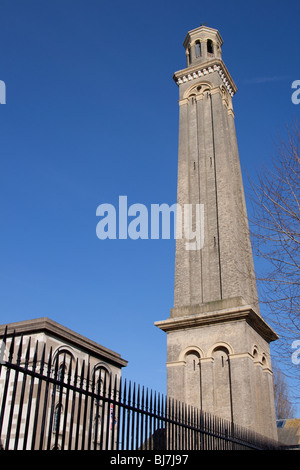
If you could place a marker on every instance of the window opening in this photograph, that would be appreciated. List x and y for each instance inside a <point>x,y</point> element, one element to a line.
<point>198,49</point>
<point>210,49</point>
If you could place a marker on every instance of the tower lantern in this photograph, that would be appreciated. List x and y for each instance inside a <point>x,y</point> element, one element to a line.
<point>202,44</point>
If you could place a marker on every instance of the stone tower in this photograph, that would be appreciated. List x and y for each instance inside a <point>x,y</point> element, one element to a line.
<point>218,355</point>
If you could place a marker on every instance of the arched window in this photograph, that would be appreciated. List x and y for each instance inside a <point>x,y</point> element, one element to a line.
<point>198,49</point>
<point>61,375</point>
<point>222,382</point>
<point>63,361</point>
<point>101,379</point>
<point>210,48</point>
<point>255,354</point>
<point>62,365</point>
<point>193,379</point>
<point>61,372</point>
<point>57,413</point>
<point>102,383</point>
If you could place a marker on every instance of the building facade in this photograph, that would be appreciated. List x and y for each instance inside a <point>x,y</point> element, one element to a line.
<point>57,354</point>
<point>218,354</point>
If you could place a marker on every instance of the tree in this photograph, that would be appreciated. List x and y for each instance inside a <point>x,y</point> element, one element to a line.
<point>283,406</point>
<point>275,231</point>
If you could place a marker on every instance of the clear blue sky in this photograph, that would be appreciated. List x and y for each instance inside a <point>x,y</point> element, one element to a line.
<point>92,114</point>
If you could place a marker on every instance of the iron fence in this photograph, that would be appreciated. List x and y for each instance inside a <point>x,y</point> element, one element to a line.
<point>46,405</point>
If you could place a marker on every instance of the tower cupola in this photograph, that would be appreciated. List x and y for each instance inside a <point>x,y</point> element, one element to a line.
<point>202,44</point>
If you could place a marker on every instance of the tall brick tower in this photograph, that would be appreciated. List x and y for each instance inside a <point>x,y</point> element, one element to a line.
<point>218,355</point>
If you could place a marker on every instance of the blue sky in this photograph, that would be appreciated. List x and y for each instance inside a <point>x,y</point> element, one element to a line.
<point>91,114</point>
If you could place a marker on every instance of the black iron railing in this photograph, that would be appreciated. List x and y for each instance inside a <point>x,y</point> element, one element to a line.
<point>50,404</point>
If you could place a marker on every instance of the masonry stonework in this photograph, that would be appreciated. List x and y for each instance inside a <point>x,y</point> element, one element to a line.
<point>218,354</point>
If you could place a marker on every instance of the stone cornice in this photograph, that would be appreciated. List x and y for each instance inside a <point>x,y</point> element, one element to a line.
<point>243,313</point>
<point>202,70</point>
<point>50,327</point>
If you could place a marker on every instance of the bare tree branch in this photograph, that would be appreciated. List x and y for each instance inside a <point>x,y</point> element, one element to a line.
<point>275,233</point>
